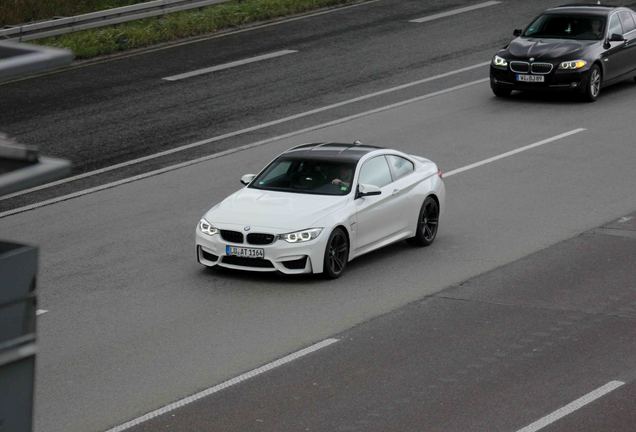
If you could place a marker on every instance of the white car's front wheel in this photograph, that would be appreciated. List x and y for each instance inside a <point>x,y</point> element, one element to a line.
<point>427,223</point>
<point>336,254</point>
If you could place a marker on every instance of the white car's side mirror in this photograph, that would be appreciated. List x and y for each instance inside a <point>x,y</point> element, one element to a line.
<point>247,178</point>
<point>367,190</point>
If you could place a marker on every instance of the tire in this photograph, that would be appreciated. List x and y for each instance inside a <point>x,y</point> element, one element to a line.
<point>336,254</point>
<point>501,92</point>
<point>593,85</point>
<point>427,223</point>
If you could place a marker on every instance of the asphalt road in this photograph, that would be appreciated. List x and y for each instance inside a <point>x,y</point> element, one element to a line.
<point>470,358</point>
<point>120,110</point>
<point>134,323</point>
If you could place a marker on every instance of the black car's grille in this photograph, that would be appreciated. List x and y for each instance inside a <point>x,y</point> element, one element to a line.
<point>232,236</point>
<point>520,67</point>
<point>260,238</point>
<point>247,262</point>
<point>541,68</point>
<point>297,264</point>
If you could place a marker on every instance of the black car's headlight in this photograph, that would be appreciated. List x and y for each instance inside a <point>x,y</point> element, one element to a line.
<point>498,61</point>
<point>301,236</point>
<point>206,228</point>
<point>573,64</point>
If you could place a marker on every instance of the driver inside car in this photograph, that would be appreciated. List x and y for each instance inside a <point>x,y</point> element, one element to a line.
<point>343,179</point>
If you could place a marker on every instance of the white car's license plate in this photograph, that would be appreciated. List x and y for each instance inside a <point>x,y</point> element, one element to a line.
<point>530,78</point>
<point>244,252</point>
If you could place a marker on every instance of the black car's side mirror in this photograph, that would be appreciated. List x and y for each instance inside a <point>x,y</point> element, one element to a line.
<point>517,32</point>
<point>615,37</point>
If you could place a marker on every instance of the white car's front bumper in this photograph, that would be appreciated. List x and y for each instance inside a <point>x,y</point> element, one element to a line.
<point>288,258</point>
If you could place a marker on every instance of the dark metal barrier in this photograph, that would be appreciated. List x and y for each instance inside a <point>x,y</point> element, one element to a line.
<point>18,269</point>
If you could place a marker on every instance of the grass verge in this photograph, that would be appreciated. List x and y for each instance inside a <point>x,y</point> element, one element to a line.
<point>143,33</point>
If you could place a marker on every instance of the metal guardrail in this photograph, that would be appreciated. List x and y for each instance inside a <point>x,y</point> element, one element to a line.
<point>103,18</point>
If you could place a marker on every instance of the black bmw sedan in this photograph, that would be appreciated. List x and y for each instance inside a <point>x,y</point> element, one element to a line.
<point>580,48</point>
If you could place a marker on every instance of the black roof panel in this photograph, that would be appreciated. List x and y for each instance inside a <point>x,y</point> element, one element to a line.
<point>337,151</point>
<point>583,8</point>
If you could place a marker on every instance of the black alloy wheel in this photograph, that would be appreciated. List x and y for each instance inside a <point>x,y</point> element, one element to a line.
<point>594,82</point>
<point>427,223</point>
<point>336,254</point>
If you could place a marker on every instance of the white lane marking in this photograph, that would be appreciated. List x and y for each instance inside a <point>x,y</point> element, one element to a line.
<point>573,406</point>
<point>625,219</point>
<point>196,39</point>
<point>41,311</point>
<point>230,151</point>
<point>229,65</point>
<point>513,152</point>
<point>242,131</point>
<point>217,388</point>
<point>454,12</point>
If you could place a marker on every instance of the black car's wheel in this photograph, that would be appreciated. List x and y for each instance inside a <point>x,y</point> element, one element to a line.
<point>501,92</point>
<point>594,82</point>
<point>336,254</point>
<point>427,223</point>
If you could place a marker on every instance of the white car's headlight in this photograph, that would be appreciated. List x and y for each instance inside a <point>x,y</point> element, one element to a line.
<point>206,227</point>
<point>301,236</point>
<point>573,64</point>
<point>499,61</point>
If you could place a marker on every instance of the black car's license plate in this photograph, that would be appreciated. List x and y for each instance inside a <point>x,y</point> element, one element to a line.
<point>530,78</point>
<point>244,252</point>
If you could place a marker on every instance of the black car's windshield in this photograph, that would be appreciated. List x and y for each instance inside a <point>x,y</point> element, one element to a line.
<point>581,27</point>
<point>312,176</point>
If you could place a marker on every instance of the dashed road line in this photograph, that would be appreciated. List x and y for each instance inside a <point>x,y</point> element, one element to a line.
<point>514,152</point>
<point>229,65</point>
<point>572,406</point>
<point>229,383</point>
<point>454,12</point>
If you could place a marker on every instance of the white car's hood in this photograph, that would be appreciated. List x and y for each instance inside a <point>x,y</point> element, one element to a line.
<point>282,211</point>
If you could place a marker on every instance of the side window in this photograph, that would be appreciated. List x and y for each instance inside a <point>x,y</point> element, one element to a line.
<point>615,26</point>
<point>375,172</point>
<point>401,167</point>
<point>627,21</point>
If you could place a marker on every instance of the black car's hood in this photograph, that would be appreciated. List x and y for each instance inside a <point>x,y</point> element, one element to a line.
<point>548,49</point>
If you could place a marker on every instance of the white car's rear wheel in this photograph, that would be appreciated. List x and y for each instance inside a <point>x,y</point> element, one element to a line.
<point>336,254</point>
<point>427,223</point>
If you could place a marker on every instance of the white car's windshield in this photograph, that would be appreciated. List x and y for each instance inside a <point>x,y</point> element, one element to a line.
<point>555,26</point>
<point>312,176</point>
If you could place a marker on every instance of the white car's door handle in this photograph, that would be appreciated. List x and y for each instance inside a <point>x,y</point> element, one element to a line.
<point>396,191</point>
